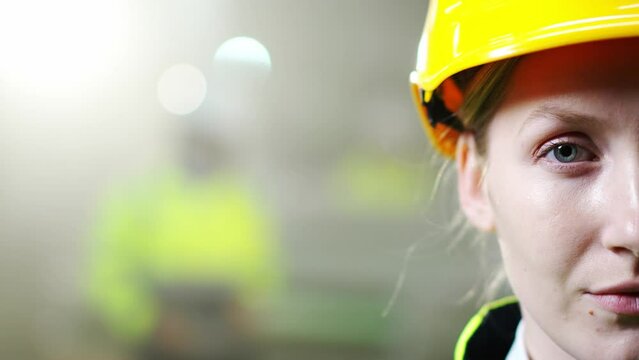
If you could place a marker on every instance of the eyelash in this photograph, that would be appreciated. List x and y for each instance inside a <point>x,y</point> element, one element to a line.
<point>566,167</point>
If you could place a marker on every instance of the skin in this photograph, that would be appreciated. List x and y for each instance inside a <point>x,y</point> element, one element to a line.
<point>565,228</point>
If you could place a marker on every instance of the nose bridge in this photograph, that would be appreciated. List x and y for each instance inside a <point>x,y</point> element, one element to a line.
<point>629,187</point>
<point>632,203</point>
<point>623,206</point>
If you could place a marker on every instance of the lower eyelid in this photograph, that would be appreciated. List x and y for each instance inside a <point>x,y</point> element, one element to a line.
<point>571,169</point>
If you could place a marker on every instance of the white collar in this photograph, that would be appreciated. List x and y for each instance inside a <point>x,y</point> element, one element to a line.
<point>518,349</point>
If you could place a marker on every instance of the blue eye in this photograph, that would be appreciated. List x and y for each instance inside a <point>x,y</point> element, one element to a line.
<point>565,153</point>
<point>569,153</point>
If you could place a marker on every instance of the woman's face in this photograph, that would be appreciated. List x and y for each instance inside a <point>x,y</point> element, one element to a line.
<point>562,186</point>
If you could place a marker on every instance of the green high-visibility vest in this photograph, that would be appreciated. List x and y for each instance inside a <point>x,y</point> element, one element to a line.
<point>167,230</point>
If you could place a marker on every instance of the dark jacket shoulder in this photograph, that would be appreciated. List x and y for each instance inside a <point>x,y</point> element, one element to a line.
<point>491,332</point>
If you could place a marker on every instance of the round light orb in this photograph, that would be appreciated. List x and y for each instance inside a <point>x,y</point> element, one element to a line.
<point>243,50</point>
<point>181,89</point>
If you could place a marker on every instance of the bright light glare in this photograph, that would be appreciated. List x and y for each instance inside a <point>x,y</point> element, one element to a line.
<point>181,89</point>
<point>241,68</point>
<point>422,55</point>
<point>243,50</point>
<point>57,46</point>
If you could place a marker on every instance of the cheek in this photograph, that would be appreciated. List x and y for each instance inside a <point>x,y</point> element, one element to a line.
<point>542,228</point>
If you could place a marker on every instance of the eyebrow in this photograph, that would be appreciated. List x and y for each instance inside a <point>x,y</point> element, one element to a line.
<point>554,112</point>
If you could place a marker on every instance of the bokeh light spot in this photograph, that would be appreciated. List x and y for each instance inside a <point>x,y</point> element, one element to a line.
<point>181,89</point>
<point>243,50</point>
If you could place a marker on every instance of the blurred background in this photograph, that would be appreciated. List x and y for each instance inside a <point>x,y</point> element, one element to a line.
<point>222,179</point>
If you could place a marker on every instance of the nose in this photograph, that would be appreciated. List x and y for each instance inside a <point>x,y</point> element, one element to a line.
<point>622,193</point>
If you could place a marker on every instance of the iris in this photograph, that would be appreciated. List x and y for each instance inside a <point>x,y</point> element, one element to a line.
<point>566,153</point>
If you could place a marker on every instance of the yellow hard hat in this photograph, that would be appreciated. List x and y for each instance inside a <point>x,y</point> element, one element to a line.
<point>463,34</point>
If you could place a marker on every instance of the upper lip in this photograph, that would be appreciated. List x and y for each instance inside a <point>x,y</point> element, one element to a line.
<point>626,287</point>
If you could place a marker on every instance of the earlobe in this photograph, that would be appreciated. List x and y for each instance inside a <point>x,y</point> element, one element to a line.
<point>473,197</point>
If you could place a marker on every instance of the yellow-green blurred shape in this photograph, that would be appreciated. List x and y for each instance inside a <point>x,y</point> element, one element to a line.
<point>171,229</point>
<point>377,182</point>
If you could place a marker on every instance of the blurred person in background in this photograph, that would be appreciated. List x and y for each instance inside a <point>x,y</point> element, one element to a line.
<point>185,259</point>
<point>539,111</point>
<point>181,259</point>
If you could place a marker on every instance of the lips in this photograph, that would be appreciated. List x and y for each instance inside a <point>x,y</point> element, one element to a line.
<point>622,298</point>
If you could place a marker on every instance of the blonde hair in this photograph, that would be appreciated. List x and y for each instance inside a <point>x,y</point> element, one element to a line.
<point>484,88</point>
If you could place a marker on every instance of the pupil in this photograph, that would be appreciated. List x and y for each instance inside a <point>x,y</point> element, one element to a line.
<point>566,152</point>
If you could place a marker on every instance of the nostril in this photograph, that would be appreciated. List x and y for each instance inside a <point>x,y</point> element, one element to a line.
<point>620,234</point>
<point>627,250</point>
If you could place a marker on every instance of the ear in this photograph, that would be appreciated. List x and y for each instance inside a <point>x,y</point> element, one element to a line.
<point>473,196</point>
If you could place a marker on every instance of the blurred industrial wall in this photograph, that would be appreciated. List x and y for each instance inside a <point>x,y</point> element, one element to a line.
<point>323,129</point>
